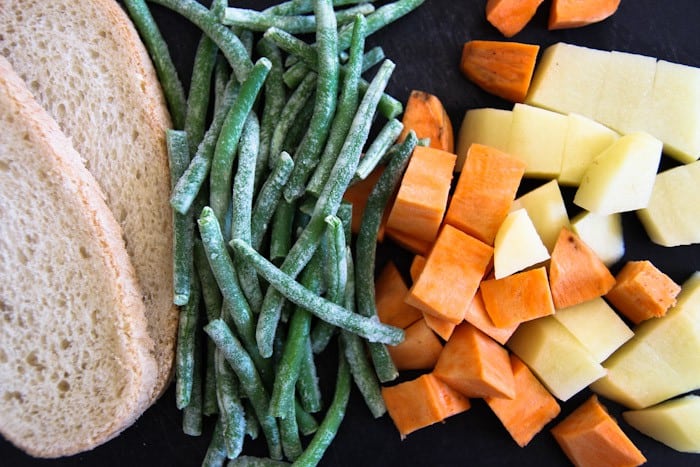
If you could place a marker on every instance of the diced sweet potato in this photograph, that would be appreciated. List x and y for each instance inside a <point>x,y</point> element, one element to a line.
<point>390,294</point>
<point>642,291</point>
<point>452,273</point>
<point>422,402</point>
<point>475,365</point>
<point>419,350</point>
<point>530,410</point>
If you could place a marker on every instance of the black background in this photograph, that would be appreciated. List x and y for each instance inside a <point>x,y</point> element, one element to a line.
<point>426,47</point>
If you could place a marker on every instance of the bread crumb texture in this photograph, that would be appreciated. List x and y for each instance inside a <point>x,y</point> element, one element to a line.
<point>85,64</point>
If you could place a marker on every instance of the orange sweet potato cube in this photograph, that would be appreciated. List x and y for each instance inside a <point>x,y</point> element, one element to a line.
<point>422,402</point>
<point>441,327</point>
<point>642,291</point>
<point>451,275</point>
<point>479,317</point>
<point>426,116</point>
<point>590,437</point>
<point>576,274</point>
<point>419,350</point>
<point>422,197</point>
<point>485,191</point>
<point>390,292</point>
<point>530,410</point>
<point>475,365</point>
<point>519,297</point>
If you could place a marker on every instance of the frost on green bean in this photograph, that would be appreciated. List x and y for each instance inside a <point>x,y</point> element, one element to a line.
<point>268,198</point>
<point>328,202</point>
<point>366,247</point>
<point>242,205</point>
<point>275,98</point>
<point>183,224</point>
<point>376,151</point>
<point>331,422</point>
<point>162,61</point>
<point>229,44</point>
<point>231,413</point>
<point>294,24</point>
<point>299,7</point>
<point>290,113</point>
<point>192,414</point>
<point>189,184</point>
<point>250,381</point>
<point>369,328</point>
<point>200,85</point>
<point>347,106</point>
<point>184,354</point>
<point>216,451</point>
<point>222,162</point>
<point>224,271</point>
<point>307,154</point>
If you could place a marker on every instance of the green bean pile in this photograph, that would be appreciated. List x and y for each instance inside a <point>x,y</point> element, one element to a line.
<point>265,272</point>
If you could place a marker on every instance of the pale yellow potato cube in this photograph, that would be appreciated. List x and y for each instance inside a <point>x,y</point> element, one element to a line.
<point>675,110</point>
<point>569,78</point>
<point>676,423</point>
<point>661,361</point>
<point>537,136</point>
<point>585,140</point>
<point>555,356</point>
<point>622,177</point>
<point>517,245</point>
<point>597,326</point>
<point>672,215</point>
<point>626,95</point>
<point>603,234</point>
<point>490,127</point>
<point>545,207</point>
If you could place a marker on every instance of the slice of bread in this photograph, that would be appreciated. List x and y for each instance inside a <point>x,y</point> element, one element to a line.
<point>76,362</point>
<point>85,64</point>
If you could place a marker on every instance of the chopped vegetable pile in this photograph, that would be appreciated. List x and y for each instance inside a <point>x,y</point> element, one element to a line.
<point>281,197</point>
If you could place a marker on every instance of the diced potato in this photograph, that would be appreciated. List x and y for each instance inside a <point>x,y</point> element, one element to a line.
<point>675,110</point>
<point>672,216</point>
<point>622,177</point>
<point>626,95</point>
<point>537,136</point>
<point>662,359</point>
<point>676,423</point>
<point>545,207</point>
<point>569,78</point>
<point>596,326</point>
<point>603,234</point>
<point>517,245</point>
<point>556,356</point>
<point>585,139</point>
<point>490,127</point>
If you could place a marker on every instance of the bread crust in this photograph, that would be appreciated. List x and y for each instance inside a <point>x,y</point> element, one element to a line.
<point>96,227</point>
<point>118,90</point>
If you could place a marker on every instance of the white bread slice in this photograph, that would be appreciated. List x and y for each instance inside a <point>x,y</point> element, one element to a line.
<point>85,64</point>
<point>76,362</point>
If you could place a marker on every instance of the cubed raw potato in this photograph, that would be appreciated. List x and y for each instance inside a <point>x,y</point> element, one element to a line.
<point>537,136</point>
<point>585,140</point>
<point>622,177</point>
<point>517,245</point>
<point>490,127</point>
<point>569,78</point>
<point>556,356</point>
<point>596,326</point>
<point>675,109</point>
<point>676,423</point>
<point>547,211</point>
<point>672,216</point>
<point>661,360</point>
<point>603,234</point>
<point>626,95</point>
